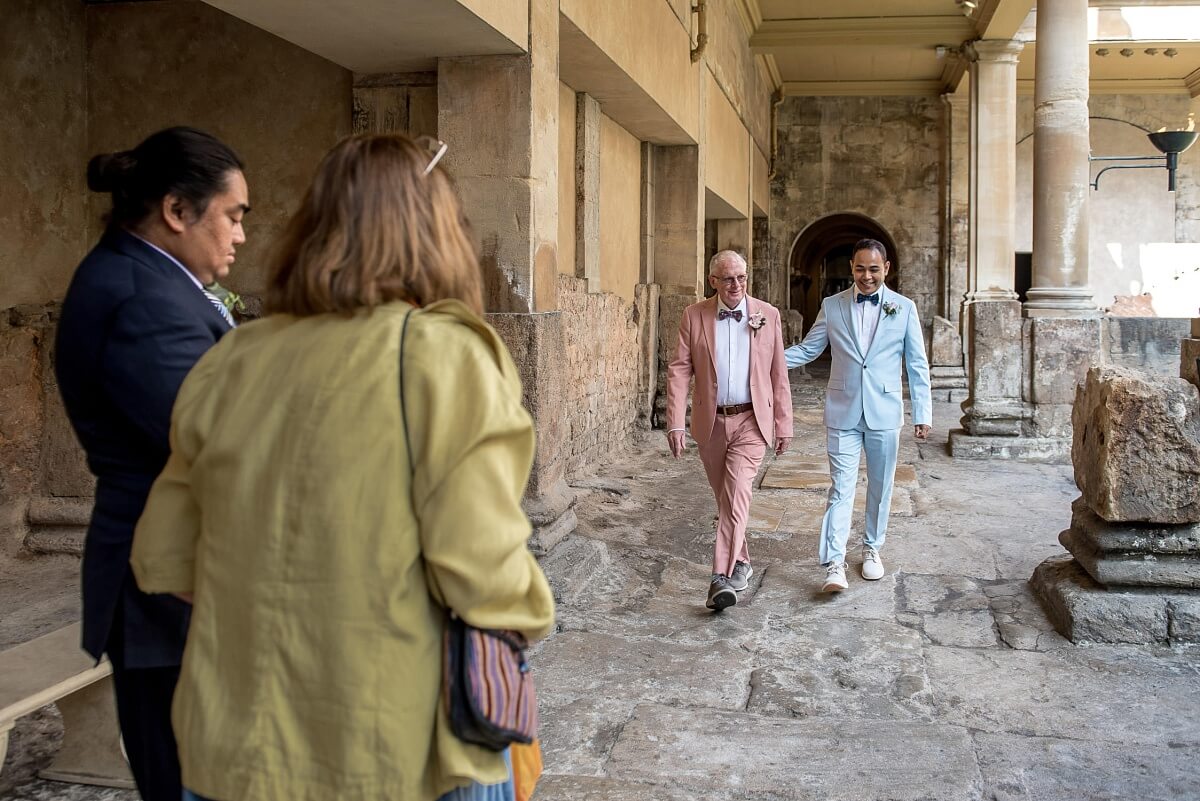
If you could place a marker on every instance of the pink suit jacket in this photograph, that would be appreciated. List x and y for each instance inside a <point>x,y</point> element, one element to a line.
<point>696,355</point>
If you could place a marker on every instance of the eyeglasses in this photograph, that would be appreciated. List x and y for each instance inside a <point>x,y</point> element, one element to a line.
<point>437,147</point>
<point>736,279</point>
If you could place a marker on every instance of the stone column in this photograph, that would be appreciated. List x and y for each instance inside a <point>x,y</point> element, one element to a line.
<point>993,178</point>
<point>958,206</point>
<point>587,190</point>
<point>1060,164</point>
<point>994,411</point>
<point>499,116</point>
<point>679,266</point>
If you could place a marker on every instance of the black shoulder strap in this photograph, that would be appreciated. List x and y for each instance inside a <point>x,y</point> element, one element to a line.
<point>403,407</point>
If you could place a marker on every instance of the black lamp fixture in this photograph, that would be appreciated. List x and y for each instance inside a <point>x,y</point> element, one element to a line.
<point>1169,143</point>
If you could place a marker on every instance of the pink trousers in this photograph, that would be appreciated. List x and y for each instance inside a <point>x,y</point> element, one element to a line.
<point>731,458</point>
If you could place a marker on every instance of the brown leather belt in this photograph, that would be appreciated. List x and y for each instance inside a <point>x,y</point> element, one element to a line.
<point>737,408</point>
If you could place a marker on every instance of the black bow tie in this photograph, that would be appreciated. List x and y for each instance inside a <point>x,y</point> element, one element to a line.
<point>873,298</point>
<point>736,314</point>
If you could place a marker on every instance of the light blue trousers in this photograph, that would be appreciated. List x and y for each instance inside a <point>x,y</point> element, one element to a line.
<point>845,448</point>
<point>471,792</point>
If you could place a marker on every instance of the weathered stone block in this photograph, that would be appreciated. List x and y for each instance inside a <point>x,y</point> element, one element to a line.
<point>1189,361</point>
<point>1134,537</point>
<point>1136,447</point>
<point>1064,349</point>
<point>1083,611</point>
<point>994,406</point>
<point>946,349</point>
<point>1185,620</point>
<point>1113,568</point>
<point>1144,343</point>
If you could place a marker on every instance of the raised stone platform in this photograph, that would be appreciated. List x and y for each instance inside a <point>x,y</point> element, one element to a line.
<point>1029,449</point>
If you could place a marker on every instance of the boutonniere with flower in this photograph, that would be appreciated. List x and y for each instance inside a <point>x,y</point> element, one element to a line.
<point>889,308</point>
<point>756,321</point>
<point>232,300</point>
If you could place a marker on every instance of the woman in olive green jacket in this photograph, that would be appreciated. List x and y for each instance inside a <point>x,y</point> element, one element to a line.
<point>319,564</point>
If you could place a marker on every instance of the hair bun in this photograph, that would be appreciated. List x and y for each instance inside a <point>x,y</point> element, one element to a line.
<point>107,171</point>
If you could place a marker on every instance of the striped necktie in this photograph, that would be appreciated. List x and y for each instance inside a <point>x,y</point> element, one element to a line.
<point>216,302</point>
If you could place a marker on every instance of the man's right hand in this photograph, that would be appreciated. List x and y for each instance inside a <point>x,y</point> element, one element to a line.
<point>676,440</point>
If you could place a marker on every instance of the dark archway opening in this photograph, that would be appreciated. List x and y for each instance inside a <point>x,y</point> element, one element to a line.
<point>819,265</point>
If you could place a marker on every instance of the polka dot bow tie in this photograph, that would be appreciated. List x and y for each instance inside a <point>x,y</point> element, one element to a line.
<point>736,314</point>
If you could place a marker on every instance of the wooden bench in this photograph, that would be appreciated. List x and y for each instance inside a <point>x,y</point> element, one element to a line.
<point>54,669</point>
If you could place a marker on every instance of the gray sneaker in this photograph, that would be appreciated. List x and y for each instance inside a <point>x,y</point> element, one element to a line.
<point>740,579</point>
<point>720,594</point>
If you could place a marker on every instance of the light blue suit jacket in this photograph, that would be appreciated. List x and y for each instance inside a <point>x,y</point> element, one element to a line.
<point>868,385</point>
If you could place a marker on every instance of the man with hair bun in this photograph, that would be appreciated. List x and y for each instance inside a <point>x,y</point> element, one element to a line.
<point>872,332</point>
<point>135,319</point>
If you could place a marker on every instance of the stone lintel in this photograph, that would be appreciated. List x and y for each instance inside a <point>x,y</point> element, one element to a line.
<point>1111,568</point>
<point>1030,449</point>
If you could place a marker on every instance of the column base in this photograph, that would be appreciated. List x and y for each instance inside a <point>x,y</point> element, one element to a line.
<point>1067,301</point>
<point>1027,449</point>
<point>1083,611</point>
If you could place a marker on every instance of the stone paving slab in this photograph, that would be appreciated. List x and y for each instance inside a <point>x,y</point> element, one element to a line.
<point>795,759</point>
<point>1035,768</point>
<point>766,512</point>
<point>794,591</point>
<point>841,668</point>
<point>715,675</point>
<point>1102,694</point>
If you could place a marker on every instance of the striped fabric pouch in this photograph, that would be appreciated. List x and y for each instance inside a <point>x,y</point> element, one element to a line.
<point>488,686</point>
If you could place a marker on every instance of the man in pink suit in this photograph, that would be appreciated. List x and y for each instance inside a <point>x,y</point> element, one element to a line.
<point>733,345</point>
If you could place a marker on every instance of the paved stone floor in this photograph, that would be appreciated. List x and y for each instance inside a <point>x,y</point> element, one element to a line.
<point>942,681</point>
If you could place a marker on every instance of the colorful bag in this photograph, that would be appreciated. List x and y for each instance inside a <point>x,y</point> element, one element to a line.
<point>489,690</point>
<point>488,687</point>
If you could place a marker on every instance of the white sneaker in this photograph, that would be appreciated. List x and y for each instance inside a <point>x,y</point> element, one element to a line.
<point>835,578</point>
<point>872,566</point>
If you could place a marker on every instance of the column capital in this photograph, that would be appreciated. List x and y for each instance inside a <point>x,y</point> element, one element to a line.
<point>993,50</point>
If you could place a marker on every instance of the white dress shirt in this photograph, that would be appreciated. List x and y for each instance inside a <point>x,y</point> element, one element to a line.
<point>866,319</point>
<point>733,357</point>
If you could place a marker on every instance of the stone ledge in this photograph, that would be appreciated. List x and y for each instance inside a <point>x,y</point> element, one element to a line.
<point>1029,449</point>
<point>1134,537</point>
<point>1084,611</point>
<point>1177,571</point>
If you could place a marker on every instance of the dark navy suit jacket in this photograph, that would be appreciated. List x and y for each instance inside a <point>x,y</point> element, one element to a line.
<point>132,326</point>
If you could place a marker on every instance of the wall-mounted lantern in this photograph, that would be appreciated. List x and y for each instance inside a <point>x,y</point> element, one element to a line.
<point>1169,143</point>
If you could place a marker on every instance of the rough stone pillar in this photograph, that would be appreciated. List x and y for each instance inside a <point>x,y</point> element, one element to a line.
<point>993,178</point>
<point>1133,575</point>
<point>648,215</point>
<point>499,116</point>
<point>679,266</point>
<point>1060,164</point>
<point>761,268</point>
<point>587,190</point>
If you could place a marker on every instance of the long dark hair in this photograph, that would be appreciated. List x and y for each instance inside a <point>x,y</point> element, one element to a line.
<point>185,162</point>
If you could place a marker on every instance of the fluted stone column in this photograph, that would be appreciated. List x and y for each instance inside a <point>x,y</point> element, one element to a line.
<point>1060,164</point>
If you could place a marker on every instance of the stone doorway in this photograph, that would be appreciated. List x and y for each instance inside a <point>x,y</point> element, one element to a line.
<point>819,263</point>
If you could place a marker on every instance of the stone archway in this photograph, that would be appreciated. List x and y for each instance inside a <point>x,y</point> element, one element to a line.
<point>819,262</point>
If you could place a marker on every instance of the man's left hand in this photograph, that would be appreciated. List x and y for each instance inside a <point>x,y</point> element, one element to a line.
<point>921,431</point>
<point>781,445</point>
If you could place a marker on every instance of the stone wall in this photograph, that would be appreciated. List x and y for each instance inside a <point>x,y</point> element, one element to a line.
<point>602,348</point>
<point>878,156</point>
<point>1145,343</point>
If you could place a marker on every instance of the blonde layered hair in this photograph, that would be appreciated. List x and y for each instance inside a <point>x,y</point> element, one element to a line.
<point>374,228</point>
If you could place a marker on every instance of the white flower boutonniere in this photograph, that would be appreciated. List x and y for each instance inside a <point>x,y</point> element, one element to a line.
<point>889,308</point>
<point>756,321</point>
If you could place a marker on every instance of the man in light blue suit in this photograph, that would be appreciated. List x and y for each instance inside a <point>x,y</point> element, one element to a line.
<point>870,331</point>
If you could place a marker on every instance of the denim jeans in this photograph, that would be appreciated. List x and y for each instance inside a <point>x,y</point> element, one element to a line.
<point>472,792</point>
